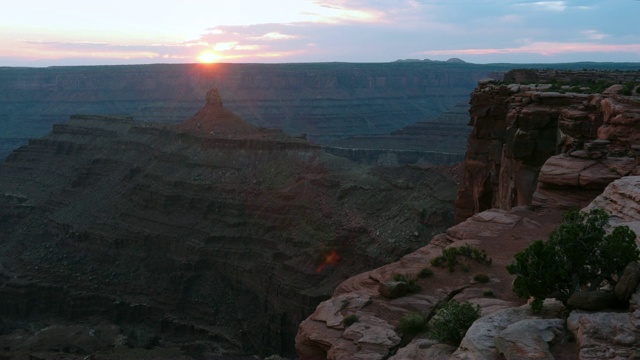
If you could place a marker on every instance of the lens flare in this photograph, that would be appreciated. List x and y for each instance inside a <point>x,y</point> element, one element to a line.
<point>329,259</point>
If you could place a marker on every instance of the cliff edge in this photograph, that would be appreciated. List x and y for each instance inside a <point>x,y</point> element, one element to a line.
<point>555,140</point>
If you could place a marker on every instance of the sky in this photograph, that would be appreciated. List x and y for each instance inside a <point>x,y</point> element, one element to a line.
<point>74,32</point>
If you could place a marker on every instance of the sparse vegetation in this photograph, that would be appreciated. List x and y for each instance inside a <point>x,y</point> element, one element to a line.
<point>412,282</point>
<point>449,257</point>
<point>412,323</point>
<point>452,321</point>
<point>481,278</point>
<point>488,293</point>
<point>425,273</point>
<point>350,320</point>
<point>579,255</point>
<point>628,88</point>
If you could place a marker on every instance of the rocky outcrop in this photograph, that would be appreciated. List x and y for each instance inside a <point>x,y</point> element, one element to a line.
<point>569,181</point>
<point>621,199</point>
<point>605,335</point>
<point>545,144</point>
<point>214,119</point>
<point>324,335</point>
<point>513,333</point>
<point>209,243</point>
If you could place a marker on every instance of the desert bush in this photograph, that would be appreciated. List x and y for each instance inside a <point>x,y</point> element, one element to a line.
<point>412,323</point>
<point>425,273</point>
<point>488,293</point>
<point>579,255</point>
<point>412,282</point>
<point>452,321</point>
<point>481,278</point>
<point>449,257</point>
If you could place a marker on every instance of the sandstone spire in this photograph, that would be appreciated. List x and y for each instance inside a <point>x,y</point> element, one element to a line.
<point>214,120</point>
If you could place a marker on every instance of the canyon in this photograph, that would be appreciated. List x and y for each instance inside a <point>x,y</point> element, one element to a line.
<point>164,229</point>
<point>209,237</point>
<point>323,101</point>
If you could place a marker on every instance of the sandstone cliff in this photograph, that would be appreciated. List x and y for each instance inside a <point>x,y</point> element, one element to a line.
<point>535,149</point>
<point>592,138</point>
<point>211,237</point>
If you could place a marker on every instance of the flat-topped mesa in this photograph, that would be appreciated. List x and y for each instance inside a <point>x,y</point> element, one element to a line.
<point>213,119</point>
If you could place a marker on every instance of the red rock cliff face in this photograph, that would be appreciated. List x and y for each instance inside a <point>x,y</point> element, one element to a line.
<point>517,129</point>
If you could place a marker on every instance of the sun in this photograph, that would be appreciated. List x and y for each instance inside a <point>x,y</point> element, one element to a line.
<point>208,57</point>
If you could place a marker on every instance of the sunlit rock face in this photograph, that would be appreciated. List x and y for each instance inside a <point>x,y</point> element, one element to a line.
<point>547,144</point>
<point>210,237</point>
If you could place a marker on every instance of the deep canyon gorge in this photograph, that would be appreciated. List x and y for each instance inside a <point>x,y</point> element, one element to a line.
<point>212,213</point>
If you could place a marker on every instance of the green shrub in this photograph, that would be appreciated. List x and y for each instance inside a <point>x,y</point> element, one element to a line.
<point>488,293</point>
<point>579,254</point>
<point>449,257</point>
<point>412,282</point>
<point>481,278</point>
<point>350,320</point>
<point>452,321</point>
<point>438,261</point>
<point>425,273</point>
<point>412,323</point>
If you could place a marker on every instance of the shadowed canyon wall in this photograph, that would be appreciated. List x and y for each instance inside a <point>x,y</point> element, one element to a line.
<point>214,244</point>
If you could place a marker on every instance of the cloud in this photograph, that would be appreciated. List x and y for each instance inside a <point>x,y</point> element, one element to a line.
<point>557,6</point>
<point>274,35</point>
<point>593,34</point>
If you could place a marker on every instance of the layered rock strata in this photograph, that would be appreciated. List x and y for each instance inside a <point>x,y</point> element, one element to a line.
<point>212,237</point>
<point>547,145</point>
<point>323,100</point>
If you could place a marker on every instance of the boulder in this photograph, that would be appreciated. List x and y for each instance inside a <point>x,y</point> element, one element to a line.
<point>479,342</point>
<point>634,301</point>
<point>392,289</point>
<point>592,300</point>
<point>529,339</point>
<point>421,348</point>
<point>330,311</point>
<point>605,335</point>
<point>628,282</point>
